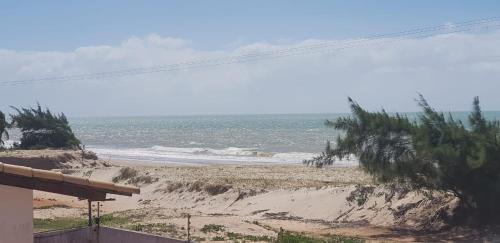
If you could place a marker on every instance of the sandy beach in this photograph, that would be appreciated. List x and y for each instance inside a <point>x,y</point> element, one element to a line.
<point>251,201</point>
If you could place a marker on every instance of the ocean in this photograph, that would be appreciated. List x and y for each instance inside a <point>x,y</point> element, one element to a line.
<point>207,139</point>
<point>280,138</point>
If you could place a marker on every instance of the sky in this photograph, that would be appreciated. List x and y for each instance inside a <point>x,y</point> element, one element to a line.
<point>56,38</point>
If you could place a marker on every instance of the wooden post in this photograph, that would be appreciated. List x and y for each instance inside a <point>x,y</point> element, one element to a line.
<point>90,212</point>
<point>83,153</point>
<point>98,214</point>
<point>189,228</point>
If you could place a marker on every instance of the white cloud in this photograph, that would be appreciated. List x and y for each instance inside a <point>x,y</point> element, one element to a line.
<point>448,69</point>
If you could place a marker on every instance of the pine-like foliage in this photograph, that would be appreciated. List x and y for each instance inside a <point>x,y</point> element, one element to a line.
<point>434,152</point>
<point>42,129</point>
<point>3,128</point>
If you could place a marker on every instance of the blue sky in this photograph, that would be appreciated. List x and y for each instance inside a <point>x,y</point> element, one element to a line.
<point>65,25</point>
<point>56,38</point>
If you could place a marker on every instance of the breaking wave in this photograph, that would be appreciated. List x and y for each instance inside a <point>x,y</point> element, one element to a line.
<point>205,155</point>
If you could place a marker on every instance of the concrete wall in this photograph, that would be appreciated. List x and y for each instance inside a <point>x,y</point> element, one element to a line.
<point>16,215</point>
<point>103,235</point>
<point>78,235</point>
<point>125,236</point>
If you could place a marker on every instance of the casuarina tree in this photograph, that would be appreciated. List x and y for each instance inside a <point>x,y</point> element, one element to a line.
<point>42,129</point>
<point>434,151</point>
<point>3,128</point>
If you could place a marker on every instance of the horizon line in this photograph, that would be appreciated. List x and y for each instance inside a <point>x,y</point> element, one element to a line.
<point>257,114</point>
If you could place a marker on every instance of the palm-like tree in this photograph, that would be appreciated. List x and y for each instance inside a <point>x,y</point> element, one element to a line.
<point>3,128</point>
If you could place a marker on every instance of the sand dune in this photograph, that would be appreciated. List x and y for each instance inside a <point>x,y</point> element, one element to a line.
<point>259,200</point>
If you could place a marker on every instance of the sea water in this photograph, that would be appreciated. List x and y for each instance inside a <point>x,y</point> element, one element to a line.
<point>277,138</point>
<point>207,139</point>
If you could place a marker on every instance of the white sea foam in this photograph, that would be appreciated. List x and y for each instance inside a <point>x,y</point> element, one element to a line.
<point>207,155</point>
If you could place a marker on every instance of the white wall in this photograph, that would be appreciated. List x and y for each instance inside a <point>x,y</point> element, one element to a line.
<point>16,215</point>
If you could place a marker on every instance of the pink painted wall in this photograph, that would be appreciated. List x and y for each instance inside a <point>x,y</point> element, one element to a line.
<point>16,215</point>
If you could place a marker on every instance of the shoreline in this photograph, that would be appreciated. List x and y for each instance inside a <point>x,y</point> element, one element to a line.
<point>203,157</point>
<point>141,162</point>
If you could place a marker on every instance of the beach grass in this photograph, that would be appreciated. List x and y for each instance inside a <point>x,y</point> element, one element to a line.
<point>289,237</point>
<point>40,225</point>
<point>58,223</point>
<point>52,206</point>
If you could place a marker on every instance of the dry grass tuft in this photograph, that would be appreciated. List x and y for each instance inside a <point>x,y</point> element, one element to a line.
<point>125,173</point>
<point>213,190</point>
<point>131,176</point>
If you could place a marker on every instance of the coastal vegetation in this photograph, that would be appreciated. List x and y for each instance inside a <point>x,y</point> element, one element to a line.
<point>290,237</point>
<point>132,176</point>
<point>434,152</point>
<point>217,231</point>
<point>40,128</point>
<point>48,224</point>
<point>3,128</point>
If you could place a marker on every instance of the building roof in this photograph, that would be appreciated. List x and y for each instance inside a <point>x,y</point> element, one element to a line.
<point>57,182</point>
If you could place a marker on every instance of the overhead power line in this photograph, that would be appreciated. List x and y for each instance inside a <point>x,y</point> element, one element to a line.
<point>322,47</point>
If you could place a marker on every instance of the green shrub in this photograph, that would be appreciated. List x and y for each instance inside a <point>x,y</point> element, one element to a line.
<point>218,238</point>
<point>212,228</point>
<point>153,227</point>
<point>434,152</point>
<point>260,238</point>
<point>289,237</point>
<point>57,223</point>
<point>114,220</point>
